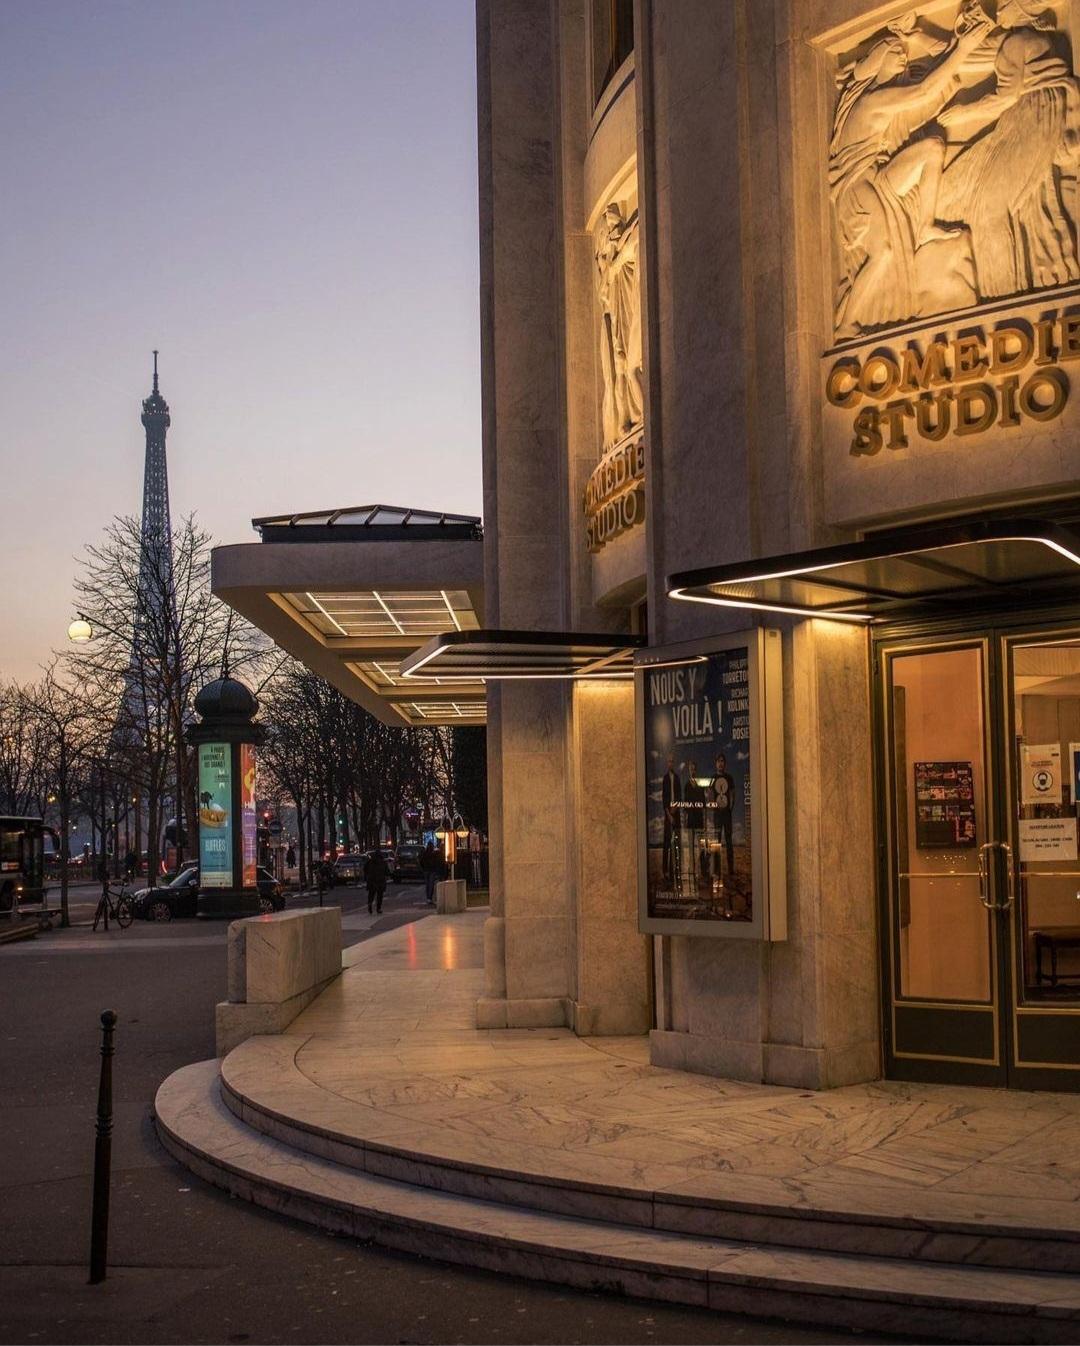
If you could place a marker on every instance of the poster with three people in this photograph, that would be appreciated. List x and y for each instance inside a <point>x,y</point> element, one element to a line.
<point>698,787</point>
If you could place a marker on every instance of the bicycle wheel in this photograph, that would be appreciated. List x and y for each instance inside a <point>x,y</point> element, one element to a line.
<point>125,912</point>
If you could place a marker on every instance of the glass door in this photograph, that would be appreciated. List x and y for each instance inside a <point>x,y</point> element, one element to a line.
<point>1041,902</point>
<point>946,861</point>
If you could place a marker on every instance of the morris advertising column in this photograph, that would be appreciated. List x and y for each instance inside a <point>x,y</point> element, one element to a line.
<point>225,739</point>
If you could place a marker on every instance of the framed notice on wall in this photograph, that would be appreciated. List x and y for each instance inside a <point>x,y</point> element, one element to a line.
<point>944,805</point>
<point>711,847</point>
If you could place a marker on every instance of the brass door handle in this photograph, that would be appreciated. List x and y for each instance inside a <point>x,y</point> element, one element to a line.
<point>984,897</point>
<point>1010,877</point>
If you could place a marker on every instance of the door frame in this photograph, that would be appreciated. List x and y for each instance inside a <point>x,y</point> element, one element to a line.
<point>998,633</point>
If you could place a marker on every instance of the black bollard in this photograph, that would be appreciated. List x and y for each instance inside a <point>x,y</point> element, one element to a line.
<point>99,1217</point>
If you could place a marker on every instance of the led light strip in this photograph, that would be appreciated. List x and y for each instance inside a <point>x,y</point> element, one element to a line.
<point>311,597</point>
<point>450,610</point>
<point>685,597</point>
<point>378,598</point>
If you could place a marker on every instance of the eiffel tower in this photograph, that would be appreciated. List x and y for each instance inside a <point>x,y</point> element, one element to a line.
<point>155,560</point>
<point>154,614</point>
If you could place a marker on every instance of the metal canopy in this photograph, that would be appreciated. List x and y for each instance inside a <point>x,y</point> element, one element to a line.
<point>351,608</point>
<point>495,655</point>
<point>981,564</point>
<point>368,523</point>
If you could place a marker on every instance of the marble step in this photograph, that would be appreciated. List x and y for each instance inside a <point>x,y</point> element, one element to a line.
<point>916,1299</point>
<point>261,1085</point>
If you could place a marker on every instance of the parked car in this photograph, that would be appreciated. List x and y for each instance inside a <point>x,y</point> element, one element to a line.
<point>349,868</point>
<point>179,898</point>
<point>408,862</point>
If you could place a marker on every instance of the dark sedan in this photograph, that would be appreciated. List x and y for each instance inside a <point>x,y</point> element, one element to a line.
<point>179,898</point>
<point>408,862</point>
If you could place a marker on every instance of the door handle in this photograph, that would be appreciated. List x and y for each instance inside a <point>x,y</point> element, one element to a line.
<point>1010,878</point>
<point>984,896</point>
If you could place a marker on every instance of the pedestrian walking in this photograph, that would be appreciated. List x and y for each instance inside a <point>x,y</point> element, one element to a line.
<point>376,872</point>
<point>431,864</point>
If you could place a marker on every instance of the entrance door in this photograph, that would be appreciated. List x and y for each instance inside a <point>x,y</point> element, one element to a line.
<point>982,878</point>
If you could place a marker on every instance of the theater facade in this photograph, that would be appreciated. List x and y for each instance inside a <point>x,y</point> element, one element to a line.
<point>775,618</point>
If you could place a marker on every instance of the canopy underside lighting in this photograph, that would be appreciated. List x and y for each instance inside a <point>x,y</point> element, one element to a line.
<point>923,571</point>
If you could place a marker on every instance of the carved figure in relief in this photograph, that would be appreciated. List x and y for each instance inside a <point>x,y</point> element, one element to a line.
<point>946,166</point>
<point>1006,183</point>
<point>616,251</point>
<point>883,177</point>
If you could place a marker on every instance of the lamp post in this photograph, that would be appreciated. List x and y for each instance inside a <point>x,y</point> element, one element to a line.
<point>461,836</point>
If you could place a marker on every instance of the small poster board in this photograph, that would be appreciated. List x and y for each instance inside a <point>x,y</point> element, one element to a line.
<point>1040,773</point>
<point>1047,839</point>
<point>944,805</point>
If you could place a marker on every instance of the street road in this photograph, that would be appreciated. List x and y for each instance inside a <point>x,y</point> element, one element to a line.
<point>187,1262</point>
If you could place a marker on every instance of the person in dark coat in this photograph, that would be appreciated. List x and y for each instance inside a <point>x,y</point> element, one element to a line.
<point>376,872</point>
<point>431,864</point>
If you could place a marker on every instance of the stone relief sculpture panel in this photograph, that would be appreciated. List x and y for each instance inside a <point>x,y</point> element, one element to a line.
<point>952,164</point>
<point>616,252</point>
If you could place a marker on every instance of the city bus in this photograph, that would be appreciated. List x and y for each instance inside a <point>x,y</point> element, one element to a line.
<point>22,866</point>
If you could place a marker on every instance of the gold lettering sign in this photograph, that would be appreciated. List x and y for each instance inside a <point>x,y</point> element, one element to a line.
<point>963,385</point>
<point>615,494</point>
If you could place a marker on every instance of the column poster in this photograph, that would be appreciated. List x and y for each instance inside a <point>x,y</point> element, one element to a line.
<point>248,819</point>
<point>215,815</point>
<point>698,789</point>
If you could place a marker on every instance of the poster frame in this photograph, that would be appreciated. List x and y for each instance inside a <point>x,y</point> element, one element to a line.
<point>768,842</point>
<point>218,877</point>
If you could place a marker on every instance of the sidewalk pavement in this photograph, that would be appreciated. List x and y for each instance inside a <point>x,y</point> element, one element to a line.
<point>390,1053</point>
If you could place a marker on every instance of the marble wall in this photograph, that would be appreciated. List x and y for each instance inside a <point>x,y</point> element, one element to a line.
<point>561,946</point>
<point>734,473</point>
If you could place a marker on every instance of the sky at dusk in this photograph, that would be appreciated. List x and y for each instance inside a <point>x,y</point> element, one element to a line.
<point>281,196</point>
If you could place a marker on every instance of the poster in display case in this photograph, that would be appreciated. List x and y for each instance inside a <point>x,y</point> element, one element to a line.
<point>944,806</point>
<point>215,815</point>
<point>711,788</point>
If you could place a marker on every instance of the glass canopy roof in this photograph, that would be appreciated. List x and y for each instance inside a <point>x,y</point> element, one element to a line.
<point>363,613</point>
<point>368,523</point>
<point>459,656</point>
<point>920,571</point>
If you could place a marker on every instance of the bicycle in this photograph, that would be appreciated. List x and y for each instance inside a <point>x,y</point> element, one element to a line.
<point>122,909</point>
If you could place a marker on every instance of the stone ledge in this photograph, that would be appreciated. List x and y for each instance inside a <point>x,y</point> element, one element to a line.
<point>790,1065</point>
<point>546,1012</point>
<point>935,1301</point>
<point>235,1023</point>
<point>277,965</point>
<point>451,897</point>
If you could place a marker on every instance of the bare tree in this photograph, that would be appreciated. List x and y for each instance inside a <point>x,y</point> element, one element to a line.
<point>65,714</point>
<point>160,634</point>
<point>23,787</point>
<point>348,775</point>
